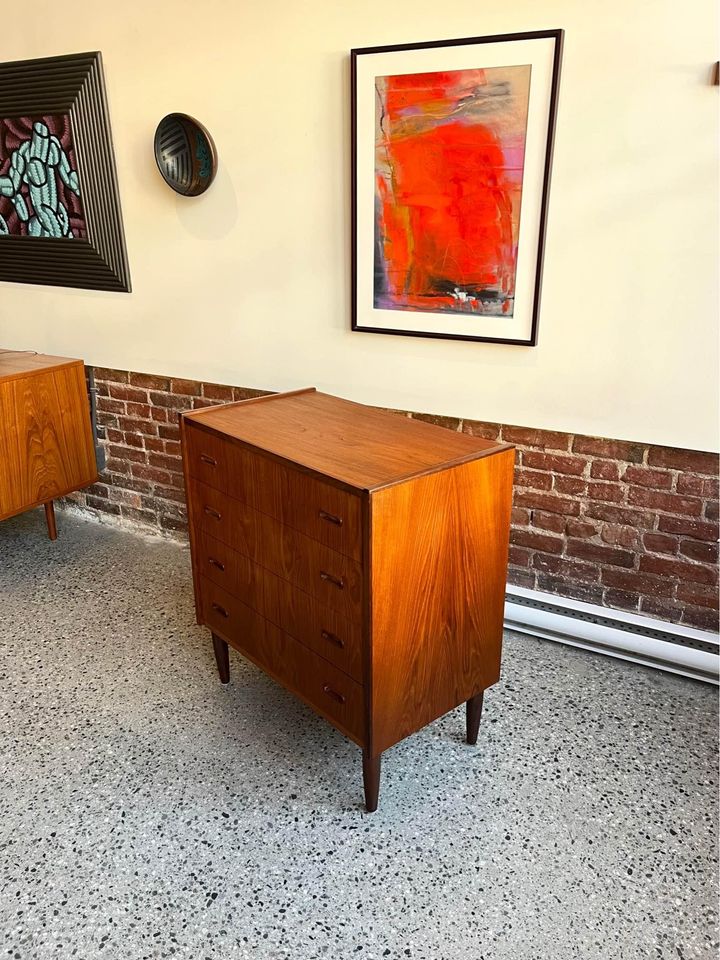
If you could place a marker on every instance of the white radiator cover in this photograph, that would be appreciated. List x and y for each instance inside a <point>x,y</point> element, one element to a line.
<point>653,643</point>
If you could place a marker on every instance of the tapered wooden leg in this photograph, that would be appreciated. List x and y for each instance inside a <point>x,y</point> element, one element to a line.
<point>222,658</point>
<point>50,517</point>
<point>371,780</point>
<point>473,712</point>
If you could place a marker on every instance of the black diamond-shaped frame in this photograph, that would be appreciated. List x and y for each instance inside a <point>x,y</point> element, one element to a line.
<point>73,85</point>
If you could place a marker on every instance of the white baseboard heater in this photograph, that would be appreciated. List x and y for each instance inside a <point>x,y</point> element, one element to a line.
<point>652,643</point>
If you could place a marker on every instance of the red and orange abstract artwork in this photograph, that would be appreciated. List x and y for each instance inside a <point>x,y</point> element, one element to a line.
<point>449,157</point>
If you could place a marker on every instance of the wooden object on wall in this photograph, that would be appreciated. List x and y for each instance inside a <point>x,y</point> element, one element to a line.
<point>46,440</point>
<point>185,154</point>
<point>358,557</point>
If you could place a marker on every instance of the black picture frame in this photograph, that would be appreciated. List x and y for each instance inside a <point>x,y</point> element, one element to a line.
<point>70,85</point>
<point>557,35</point>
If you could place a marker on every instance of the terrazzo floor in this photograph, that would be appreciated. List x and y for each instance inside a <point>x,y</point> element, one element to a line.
<point>146,811</point>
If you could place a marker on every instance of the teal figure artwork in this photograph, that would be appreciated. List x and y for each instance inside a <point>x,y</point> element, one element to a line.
<point>60,217</point>
<point>39,184</point>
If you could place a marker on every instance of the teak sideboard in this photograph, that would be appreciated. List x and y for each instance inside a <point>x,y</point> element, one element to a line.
<point>357,556</point>
<point>47,448</point>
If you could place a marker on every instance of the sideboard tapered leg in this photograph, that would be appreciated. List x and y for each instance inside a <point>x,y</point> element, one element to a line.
<point>50,518</point>
<point>371,780</point>
<point>222,658</point>
<point>473,713</point>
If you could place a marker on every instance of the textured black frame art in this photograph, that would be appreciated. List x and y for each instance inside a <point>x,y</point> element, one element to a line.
<point>71,85</point>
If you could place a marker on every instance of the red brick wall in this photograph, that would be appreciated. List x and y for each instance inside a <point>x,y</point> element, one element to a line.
<point>625,525</point>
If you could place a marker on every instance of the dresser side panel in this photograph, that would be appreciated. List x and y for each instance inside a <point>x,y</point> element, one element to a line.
<point>46,441</point>
<point>77,443</point>
<point>438,572</point>
<point>10,451</point>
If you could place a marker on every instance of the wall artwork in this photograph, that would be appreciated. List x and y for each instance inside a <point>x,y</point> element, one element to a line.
<point>60,219</point>
<point>452,148</point>
<point>185,154</point>
<point>39,185</point>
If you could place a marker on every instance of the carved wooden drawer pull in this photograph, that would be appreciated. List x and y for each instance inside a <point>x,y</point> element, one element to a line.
<point>211,461</point>
<point>216,563</point>
<point>213,513</point>
<point>334,694</point>
<point>335,581</point>
<point>331,518</point>
<point>221,610</point>
<point>332,638</point>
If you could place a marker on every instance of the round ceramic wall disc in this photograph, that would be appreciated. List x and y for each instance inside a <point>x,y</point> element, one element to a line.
<point>185,154</point>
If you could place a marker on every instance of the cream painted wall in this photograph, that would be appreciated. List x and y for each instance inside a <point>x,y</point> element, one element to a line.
<point>249,284</point>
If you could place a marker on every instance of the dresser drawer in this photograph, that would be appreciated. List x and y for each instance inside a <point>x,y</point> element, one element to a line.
<point>235,621</point>
<point>335,637</point>
<point>315,624</point>
<point>232,571</point>
<point>327,575</point>
<point>328,690</point>
<point>216,461</point>
<point>325,688</point>
<point>317,509</point>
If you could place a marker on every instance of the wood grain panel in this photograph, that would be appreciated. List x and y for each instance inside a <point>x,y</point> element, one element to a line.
<point>296,499</point>
<point>18,364</point>
<point>315,624</point>
<point>225,614</point>
<point>319,510</point>
<point>210,459</point>
<point>329,691</point>
<point>438,571</point>
<point>193,521</point>
<point>327,575</point>
<point>46,443</point>
<point>232,571</point>
<point>330,634</point>
<point>356,445</point>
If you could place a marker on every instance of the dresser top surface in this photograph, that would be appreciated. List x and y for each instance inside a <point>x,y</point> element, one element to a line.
<point>360,446</point>
<point>16,364</point>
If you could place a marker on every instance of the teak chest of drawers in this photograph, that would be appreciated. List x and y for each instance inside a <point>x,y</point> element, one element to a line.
<point>46,442</point>
<point>359,557</point>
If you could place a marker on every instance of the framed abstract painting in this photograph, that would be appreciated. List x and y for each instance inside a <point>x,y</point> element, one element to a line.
<point>60,220</point>
<point>451,156</point>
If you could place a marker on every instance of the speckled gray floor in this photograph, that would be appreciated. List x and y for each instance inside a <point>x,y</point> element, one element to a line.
<point>147,811</point>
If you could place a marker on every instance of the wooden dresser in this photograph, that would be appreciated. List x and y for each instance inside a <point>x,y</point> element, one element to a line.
<point>46,441</point>
<point>359,557</point>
